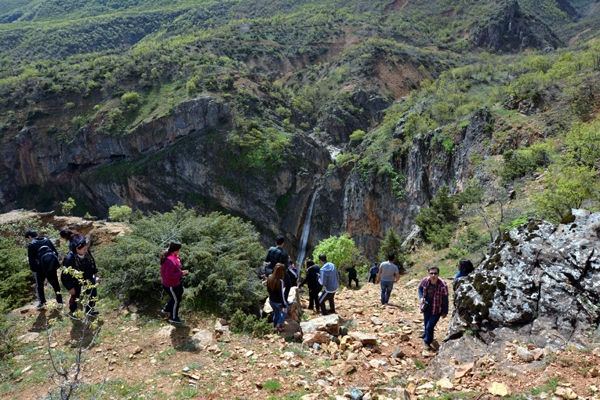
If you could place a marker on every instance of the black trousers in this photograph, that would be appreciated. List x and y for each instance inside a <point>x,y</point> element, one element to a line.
<point>92,293</point>
<point>313,298</point>
<point>324,297</point>
<point>175,294</point>
<point>372,277</point>
<point>350,282</point>
<point>40,278</point>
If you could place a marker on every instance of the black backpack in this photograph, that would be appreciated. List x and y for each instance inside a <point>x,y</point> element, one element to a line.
<point>275,255</point>
<point>47,259</point>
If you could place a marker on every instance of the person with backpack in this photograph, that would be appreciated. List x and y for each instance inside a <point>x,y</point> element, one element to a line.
<point>171,273</point>
<point>277,297</point>
<point>314,287</point>
<point>373,273</point>
<point>43,262</point>
<point>388,275</point>
<point>433,296</point>
<point>81,260</point>
<point>329,279</point>
<point>276,255</point>
<point>465,267</point>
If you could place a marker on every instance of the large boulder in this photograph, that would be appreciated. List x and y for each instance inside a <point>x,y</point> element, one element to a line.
<point>329,323</point>
<point>540,279</point>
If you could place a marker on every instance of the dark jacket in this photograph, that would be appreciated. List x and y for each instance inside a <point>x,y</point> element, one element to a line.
<point>312,278</point>
<point>351,272</point>
<point>274,256</point>
<point>32,252</point>
<point>87,265</point>
<point>277,295</point>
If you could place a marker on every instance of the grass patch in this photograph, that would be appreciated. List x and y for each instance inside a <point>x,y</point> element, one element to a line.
<point>419,364</point>
<point>272,385</point>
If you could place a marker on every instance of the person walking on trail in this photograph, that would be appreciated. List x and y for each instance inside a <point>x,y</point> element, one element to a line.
<point>314,287</point>
<point>41,268</point>
<point>275,255</point>
<point>373,273</point>
<point>328,277</point>
<point>292,272</point>
<point>388,275</point>
<point>171,273</point>
<point>352,276</point>
<point>81,260</point>
<point>433,295</point>
<point>277,298</point>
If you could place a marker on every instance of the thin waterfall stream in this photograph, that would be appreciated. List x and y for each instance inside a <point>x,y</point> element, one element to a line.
<point>305,232</point>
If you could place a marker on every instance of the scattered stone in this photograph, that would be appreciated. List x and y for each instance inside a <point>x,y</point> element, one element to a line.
<point>322,382</point>
<point>444,384</point>
<point>329,323</point>
<point>315,337</point>
<point>26,369</point>
<point>356,394</point>
<point>538,354</point>
<point>249,353</point>
<point>376,321</point>
<point>137,350</point>
<point>498,389</point>
<point>363,338</point>
<point>186,369</point>
<point>426,386</point>
<point>566,393</point>
<point>398,353</point>
<point>218,327</point>
<point>28,337</point>
<point>524,354</point>
<point>463,370</point>
<point>202,338</point>
<point>311,396</point>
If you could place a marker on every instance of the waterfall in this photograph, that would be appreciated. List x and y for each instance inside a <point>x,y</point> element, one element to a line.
<point>305,232</point>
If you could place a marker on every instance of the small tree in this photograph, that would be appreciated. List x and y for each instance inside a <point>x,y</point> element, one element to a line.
<point>119,213</point>
<point>567,187</point>
<point>341,251</point>
<point>131,100</point>
<point>67,206</point>
<point>392,243</point>
<point>438,221</point>
<point>67,368</point>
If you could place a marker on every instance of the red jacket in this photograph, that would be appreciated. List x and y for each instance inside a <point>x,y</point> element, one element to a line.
<point>170,271</point>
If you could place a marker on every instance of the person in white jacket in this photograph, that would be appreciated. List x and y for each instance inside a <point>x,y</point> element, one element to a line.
<point>328,277</point>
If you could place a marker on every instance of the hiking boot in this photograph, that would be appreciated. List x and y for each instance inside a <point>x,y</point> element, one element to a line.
<point>427,347</point>
<point>421,335</point>
<point>176,320</point>
<point>59,299</point>
<point>165,311</point>
<point>40,304</point>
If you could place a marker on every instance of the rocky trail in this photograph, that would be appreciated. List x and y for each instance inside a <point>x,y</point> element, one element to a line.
<point>140,355</point>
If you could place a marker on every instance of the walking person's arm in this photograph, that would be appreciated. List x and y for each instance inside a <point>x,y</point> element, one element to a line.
<point>378,276</point>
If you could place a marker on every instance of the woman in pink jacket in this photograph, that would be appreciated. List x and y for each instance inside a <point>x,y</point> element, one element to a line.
<point>171,273</point>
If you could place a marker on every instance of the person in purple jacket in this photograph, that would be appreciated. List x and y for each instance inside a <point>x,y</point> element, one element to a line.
<point>171,273</point>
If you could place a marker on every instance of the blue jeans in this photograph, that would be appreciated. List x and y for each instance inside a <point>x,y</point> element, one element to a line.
<point>430,321</point>
<point>278,313</point>
<point>386,291</point>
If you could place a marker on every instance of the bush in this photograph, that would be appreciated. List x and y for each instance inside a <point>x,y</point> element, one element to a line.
<point>249,324</point>
<point>220,252</point>
<point>392,243</point>
<point>119,213</point>
<point>523,162</point>
<point>131,100</point>
<point>14,275</point>
<point>67,206</point>
<point>438,221</point>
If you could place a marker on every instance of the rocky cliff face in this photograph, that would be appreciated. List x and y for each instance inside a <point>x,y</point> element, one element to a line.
<point>348,202</point>
<point>513,29</point>
<point>538,285</point>
<point>179,157</point>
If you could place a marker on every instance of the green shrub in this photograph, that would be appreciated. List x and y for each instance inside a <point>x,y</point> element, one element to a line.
<point>131,100</point>
<point>523,162</point>
<point>249,324</point>
<point>438,221</point>
<point>392,243</point>
<point>67,206</point>
<point>14,274</point>
<point>119,213</point>
<point>220,252</point>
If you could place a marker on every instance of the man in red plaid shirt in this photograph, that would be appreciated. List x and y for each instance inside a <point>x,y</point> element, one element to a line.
<point>433,293</point>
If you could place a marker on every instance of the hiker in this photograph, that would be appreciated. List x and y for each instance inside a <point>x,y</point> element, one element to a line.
<point>71,237</point>
<point>314,287</point>
<point>42,271</point>
<point>373,273</point>
<point>433,295</point>
<point>352,276</point>
<point>292,272</point>
<point>81,260</point>
<point>275,255</point>
<point>328,277</point>
<point>465,267</point>
<point>388,275</point>
<point>171,273</point>
<point>277,298</point>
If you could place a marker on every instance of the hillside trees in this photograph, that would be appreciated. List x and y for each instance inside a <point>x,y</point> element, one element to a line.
<point>219,251</point>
